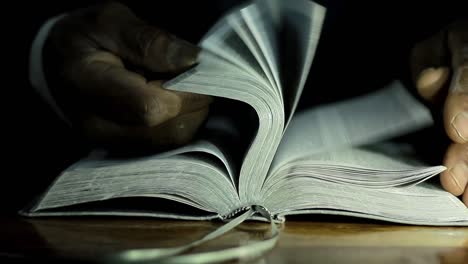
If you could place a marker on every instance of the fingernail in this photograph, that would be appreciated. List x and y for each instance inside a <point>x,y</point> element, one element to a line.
<point>431,76</point>
<point>459,175</point>
<point>181,54</point>
<point>460,124</point>
<point>431,80</point>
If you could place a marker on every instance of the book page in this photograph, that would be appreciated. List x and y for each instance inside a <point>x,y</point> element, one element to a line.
<point>204,146</point>
<point>159,207</point>
<point>216,78</point>
<point>237,22</point>
<point>300,29</point>
<point>378,116</point>
<point>381,165</point>
<point>192,178</point>
<point>255,26</point>
<point>216,75</point>
<point>425,203</point>
<point>225,42</point>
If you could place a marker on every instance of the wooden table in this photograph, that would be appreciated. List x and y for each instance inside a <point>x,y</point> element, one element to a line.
<point>318,240</point>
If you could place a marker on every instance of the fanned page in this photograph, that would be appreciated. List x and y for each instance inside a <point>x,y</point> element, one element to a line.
<point>386,113</point>
<point>371,166</point>
<point>422,204</point>
<point>237,63</point>
<point>338,159</point>
<point>377,182</point>
<point>195,175</point>
<point>300,27</point>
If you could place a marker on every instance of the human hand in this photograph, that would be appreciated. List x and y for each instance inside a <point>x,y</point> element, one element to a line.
<point>102,53</point>
<point>440,71</point>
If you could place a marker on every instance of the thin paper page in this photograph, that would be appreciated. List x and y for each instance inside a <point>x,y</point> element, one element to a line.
<point>384,156</point>
<point>206,147</point>
<point>225,42</point>
<point>418,204</point>
<point>377,166</point>
<point>192,180</point>
<point>201,145</point>
<point>375,117</point>
<point>209,78</point>
<point>237,22</point>
<point>260,22</point>
<point>300,29</point>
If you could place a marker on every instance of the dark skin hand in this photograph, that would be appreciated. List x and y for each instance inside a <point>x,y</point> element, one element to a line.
<point>440,72</point>
<point>113,104</point>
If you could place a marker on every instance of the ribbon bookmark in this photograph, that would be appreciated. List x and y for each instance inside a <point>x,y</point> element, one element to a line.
<point>172,255</point>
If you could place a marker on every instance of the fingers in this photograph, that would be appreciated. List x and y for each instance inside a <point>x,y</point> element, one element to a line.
<point>455,178</point>
<point>122,32</point>
<point>456,105</point>
<point>465,198</point>
<point>429,61</point>
<point>96,49</point>
<point>429,64</point>
<point>431,81</point>
<point>174,132</point>
<point>124,96</point>
<point>456,117</point>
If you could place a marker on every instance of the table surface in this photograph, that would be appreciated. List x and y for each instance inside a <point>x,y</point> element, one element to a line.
<point>317,240</point>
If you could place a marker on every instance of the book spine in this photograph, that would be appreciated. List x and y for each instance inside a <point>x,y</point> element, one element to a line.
<point>260,209</point>
<point>235,213</point>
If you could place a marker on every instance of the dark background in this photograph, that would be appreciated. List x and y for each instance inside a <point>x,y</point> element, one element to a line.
<point>364,45</point>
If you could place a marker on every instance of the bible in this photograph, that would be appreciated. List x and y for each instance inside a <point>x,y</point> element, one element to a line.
<point>337,158</point>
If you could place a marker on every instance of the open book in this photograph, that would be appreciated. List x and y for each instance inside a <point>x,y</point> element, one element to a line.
<point>331,159</point>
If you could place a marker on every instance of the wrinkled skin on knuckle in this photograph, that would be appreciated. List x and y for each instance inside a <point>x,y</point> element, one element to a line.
<point>148,37</point>
<point>160,106</point>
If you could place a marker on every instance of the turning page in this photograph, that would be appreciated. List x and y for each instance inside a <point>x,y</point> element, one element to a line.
<point>247,73</point>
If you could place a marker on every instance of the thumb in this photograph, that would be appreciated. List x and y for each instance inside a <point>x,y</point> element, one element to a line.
<point>429,67</point>
<point>122,32</point>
